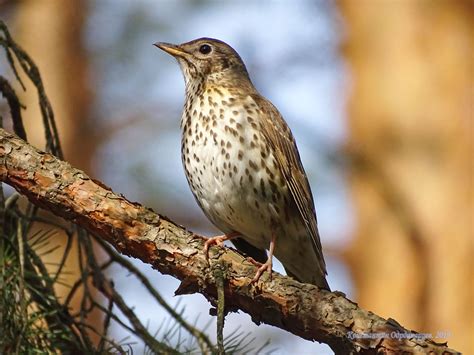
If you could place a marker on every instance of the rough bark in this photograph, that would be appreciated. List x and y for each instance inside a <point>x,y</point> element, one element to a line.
<point>301,309</point>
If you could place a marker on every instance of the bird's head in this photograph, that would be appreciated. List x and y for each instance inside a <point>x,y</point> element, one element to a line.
<point>207,59</point>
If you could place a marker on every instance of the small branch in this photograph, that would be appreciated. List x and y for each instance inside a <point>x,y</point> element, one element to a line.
<point>301,309</point>
<point>15,107</point>
<point>219,277</point>
<point>204,343</point>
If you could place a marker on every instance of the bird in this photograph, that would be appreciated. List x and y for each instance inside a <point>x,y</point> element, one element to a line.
<point>242,164</point>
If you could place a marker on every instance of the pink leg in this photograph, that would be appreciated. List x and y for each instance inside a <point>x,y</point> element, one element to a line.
<point>268,264</point>
<point>218,240</point>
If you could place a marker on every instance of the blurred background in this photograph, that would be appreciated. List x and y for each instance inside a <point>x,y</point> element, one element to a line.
<point>378,94</point>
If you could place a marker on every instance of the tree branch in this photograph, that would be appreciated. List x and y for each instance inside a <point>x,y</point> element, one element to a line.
<point>301,309</point>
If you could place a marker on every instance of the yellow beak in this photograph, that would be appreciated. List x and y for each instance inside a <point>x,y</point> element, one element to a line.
<point>172,49</point>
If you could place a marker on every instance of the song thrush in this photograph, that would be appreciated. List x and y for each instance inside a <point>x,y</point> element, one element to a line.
<point>242,163</point>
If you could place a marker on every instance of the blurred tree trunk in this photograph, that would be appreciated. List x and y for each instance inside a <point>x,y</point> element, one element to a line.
<point>52,34</point>
<point>411,120</point>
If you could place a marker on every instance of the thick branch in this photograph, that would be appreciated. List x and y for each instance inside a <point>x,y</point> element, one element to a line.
<point>136,231</point>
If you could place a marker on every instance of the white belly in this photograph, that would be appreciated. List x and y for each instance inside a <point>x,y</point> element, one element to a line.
<point>228,174</point>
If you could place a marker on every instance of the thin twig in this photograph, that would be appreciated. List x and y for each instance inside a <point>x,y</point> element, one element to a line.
<point>204,342</point>
<point>107,289</point>
<point>15,107</point>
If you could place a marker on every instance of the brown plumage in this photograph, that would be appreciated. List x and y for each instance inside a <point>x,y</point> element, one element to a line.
<point>243,165</point>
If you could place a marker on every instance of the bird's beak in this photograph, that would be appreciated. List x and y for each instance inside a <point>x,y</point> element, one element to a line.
<point>172,49</point>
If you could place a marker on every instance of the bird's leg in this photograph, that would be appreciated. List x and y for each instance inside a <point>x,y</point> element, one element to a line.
<point>268,264</point>
<point>218,240</point>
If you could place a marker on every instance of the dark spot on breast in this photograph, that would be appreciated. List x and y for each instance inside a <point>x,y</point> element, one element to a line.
<point>262,187</point>
<point>253,165</point>
<point>269,173</point>
<point>273,186</point>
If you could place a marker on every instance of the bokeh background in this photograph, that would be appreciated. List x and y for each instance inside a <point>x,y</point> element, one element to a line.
<point>378,93</point>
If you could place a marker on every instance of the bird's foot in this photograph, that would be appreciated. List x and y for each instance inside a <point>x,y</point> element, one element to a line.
<point>263,267</point>
<point>218,240</point>
<point>267,265</point>
<point>253,261</point>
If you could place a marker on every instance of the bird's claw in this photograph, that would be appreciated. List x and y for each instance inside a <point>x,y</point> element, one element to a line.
<point>263,267</point>
<point>253,261</point>
<point>219,241</point>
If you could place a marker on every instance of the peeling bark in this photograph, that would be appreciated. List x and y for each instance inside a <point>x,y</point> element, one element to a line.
<point>134,230</point>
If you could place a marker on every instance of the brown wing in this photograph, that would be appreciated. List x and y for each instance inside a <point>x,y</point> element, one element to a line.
<point>280,139</point>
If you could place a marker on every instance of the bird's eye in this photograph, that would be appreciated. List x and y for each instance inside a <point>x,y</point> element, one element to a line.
<point>205,49</point>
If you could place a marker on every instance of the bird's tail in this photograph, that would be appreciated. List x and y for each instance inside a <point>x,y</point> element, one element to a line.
<point>315,279</point>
